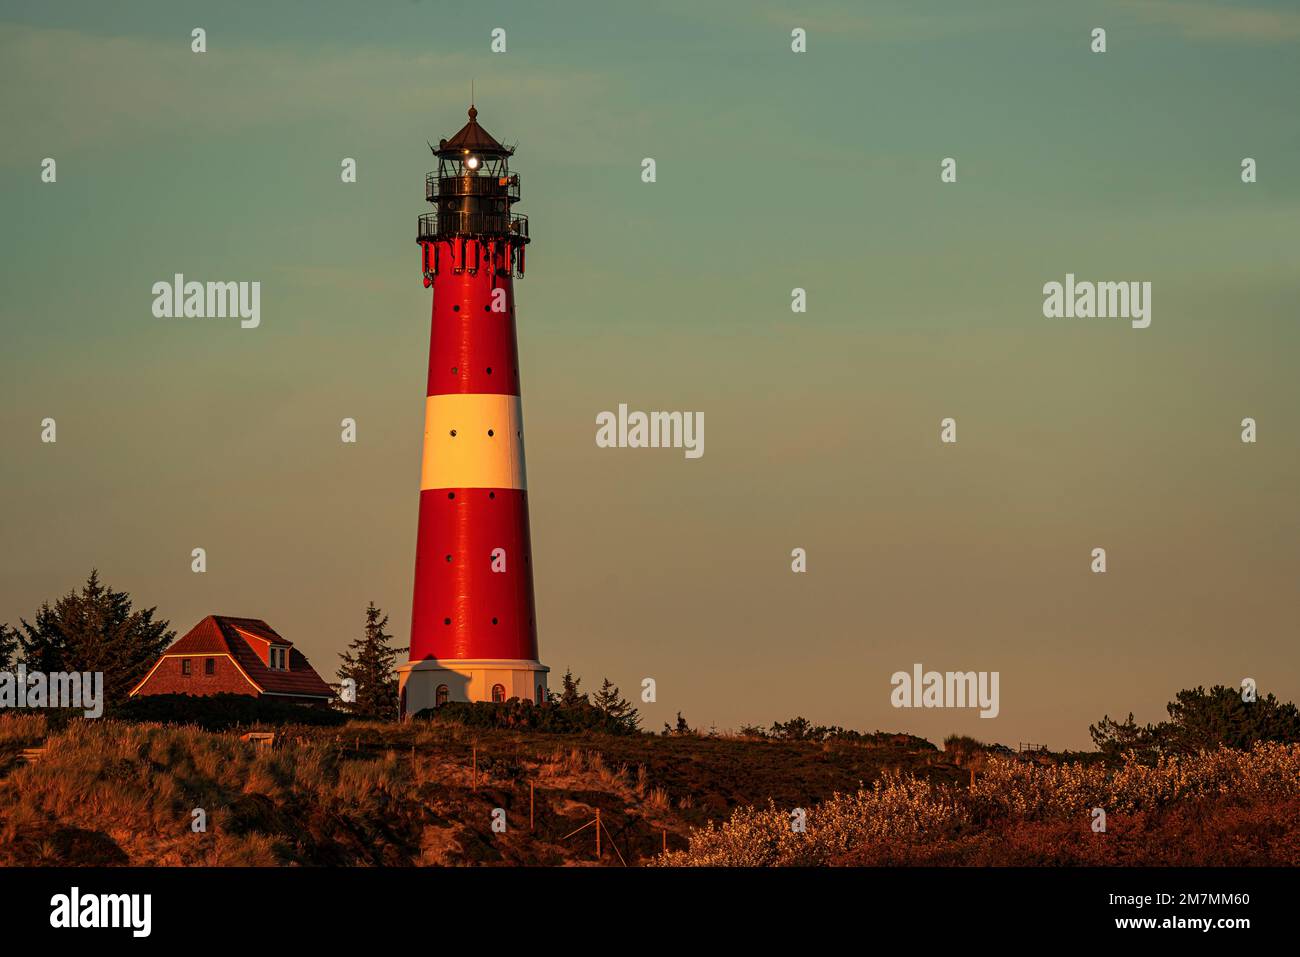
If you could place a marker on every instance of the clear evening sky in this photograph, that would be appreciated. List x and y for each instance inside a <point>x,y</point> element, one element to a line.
<point>775,170</point>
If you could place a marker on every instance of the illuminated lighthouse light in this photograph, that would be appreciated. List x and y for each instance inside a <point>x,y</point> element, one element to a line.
<point>473,618</point>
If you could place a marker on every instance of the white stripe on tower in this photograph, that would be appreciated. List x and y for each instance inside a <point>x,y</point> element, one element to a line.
<point>473,440</point>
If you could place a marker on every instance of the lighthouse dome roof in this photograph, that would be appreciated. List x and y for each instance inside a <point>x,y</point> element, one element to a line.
<point>473,138</point>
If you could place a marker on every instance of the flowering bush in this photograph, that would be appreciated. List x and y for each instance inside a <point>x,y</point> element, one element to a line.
<point>1036,791</point>
<point>902,810</point>
<point>898,807</point>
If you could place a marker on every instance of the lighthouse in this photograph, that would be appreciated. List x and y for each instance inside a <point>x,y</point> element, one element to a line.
<point>473,620</point>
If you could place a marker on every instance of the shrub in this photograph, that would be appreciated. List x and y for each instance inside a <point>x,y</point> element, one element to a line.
<point>902,812</point>
<point>577,718</point>
<point>220,712</point>
<point>897,808</point>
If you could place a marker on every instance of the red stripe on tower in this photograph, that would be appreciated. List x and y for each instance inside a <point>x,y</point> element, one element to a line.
<point>473,620</point>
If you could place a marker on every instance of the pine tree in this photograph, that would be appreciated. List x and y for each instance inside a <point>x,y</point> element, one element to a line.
<point>613,705</point>
<point>370,661</point>
<point>8,645</point>
<point>1204,720</point>
<point>1201,720</point>
<point>682,726</point>
<point>94,631</point>
<point>571,696</point>
<point>1115,738</point>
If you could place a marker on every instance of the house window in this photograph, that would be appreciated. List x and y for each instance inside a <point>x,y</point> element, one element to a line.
<point>441,695</point>
<point>209,666</point>
<point>280,659</point>
<point>498,693</point>
<point>185,667</point>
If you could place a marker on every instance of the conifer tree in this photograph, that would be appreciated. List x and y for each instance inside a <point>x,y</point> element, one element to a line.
<point>1201,720</point>
<point>570,695</point>
<point>682,726</point>
<point>613,705</point>
<point>370,662</point>
<point>8,645</point>
<point>94,630</point>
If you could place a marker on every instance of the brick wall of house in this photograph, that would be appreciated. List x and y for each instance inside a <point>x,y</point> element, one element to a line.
<point>167,678</point>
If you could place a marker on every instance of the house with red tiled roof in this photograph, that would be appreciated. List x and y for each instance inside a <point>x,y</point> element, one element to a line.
<point>235,656</point>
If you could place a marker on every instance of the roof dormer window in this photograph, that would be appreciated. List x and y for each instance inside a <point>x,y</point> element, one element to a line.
<point>279,658</point>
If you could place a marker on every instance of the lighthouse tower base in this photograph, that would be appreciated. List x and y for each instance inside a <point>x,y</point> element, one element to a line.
<point>428,683</point>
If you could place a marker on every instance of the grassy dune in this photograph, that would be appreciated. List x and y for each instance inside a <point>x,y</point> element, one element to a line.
<point>108,792</point>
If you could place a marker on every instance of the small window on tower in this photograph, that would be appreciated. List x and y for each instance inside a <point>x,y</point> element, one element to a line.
<point>498,693</point>
<point>441,695</point>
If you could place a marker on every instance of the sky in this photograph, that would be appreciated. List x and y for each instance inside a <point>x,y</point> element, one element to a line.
<point>775,170</point>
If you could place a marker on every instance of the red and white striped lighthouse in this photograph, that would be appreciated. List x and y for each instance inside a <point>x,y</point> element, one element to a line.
<point>473,623</point>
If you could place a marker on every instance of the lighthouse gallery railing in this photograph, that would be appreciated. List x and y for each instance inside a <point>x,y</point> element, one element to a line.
<point>443,224</point>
